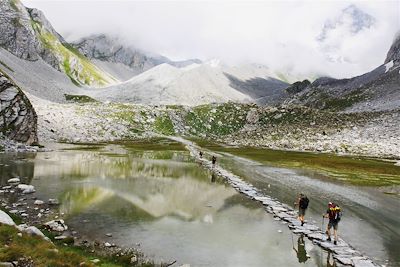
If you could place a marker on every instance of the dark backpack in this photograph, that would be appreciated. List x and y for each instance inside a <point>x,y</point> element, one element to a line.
<point>335,213</point>
<point>304,202</point>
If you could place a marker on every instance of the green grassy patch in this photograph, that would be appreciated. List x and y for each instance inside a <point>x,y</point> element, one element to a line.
<point>216,120</point>
<point>44,253</point>
<point>328,102</point>
<point>79,98</point>
<point>13,4</point>
<point>163,125</point>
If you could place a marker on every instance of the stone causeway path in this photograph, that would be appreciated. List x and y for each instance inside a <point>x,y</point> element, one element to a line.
<point>343,252</point>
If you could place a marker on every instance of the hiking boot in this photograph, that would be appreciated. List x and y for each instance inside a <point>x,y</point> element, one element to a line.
<point>329,239</point>
<point>302,223</point>
<point>334,242</point>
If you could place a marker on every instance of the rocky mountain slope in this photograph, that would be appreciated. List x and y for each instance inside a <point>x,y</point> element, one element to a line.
<point>193,85</point>
<point>114,56</point>
<point>26,33</point>
<point>18,118</point>
<point>375,90</point>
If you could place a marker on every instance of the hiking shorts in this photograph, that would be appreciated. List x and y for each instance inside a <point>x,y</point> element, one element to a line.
<point>333,224</point>
<point>302,212</point>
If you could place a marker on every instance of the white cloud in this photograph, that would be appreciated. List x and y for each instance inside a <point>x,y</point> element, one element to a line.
<point>279,34</point>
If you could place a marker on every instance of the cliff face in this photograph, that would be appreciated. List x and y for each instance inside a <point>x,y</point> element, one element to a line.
<point>16,32</point>
<point>26,33</point>
<point>113,50</point>
<point>18,119</point>
<point>394,51</point>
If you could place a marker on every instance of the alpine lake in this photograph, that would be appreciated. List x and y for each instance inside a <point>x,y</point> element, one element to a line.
<point>151,195</point>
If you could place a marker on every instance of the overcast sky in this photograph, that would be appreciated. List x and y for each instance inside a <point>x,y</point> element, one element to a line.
<point>338,38</point>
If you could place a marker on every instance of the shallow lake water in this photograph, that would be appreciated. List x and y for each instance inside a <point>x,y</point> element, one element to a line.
<point>153,197</point>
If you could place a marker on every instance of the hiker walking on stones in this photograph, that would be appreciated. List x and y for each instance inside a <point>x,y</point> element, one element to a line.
<point>302,202</point>
<point>201,154</point>
<point>334,214</point>
<point>213,160</point>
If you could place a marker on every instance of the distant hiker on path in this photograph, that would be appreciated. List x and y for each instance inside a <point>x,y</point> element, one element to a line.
<point>334,214</point>
<point>201,154</point>
<point>302,202</point>
<point>214,160</point>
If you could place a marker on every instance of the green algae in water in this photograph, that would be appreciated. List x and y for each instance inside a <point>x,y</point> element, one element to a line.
<point>353,170</point>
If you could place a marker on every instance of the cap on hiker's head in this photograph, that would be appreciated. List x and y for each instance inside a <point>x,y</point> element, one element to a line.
<point>330,203</point>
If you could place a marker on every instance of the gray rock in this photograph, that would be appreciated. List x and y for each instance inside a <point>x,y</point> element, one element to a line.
<point>30,230</point>
<point>343,260</point>
<point>53,201</point>
<point>26,189</point>
<point>20,121</point>
<point>134,259</point>
<point>16,32</point>
<point>38,202</point>
<point>13,180</point>
<point>5,218</point>
<point>56,225</point>
<point>6,264</point>
<point>363,263</point>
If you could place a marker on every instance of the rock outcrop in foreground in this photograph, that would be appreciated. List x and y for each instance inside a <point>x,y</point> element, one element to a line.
<point>18,119</point>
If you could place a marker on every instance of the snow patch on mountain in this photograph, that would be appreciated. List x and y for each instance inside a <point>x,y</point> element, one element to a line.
<point>388,66</point>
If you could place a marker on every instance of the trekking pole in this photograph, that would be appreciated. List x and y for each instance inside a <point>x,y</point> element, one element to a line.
<point>323,219</point>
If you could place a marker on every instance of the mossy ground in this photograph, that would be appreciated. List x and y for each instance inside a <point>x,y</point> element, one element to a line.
<point>79,98</point>
<point>163,125</point>
<point>44,253</point>
<point>216,120</point>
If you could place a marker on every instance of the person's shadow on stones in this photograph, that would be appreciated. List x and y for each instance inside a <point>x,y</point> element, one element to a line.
<point>213,177</point>
<point>301,250</point>
<point>330,262</point>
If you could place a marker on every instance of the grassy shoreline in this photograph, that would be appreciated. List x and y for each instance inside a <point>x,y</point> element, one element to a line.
<point>351,169</point>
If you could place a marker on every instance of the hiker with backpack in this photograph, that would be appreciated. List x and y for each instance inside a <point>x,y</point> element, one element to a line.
<point>302,202</point>
<point>334,214</point>
<point>213,160</point>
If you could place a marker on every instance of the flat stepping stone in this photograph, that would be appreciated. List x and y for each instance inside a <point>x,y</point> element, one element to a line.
<point>318,236</point>
<point>343,259</point>
<point>302,231</point>
<point>283,215</point>
<point>277,208</point>
<point>311,227</point>
<point>329,245</point>
<point>363,263</point>
<point>262,199</point>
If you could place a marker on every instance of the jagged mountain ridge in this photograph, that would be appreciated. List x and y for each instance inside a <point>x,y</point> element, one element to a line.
<point>378,89</point>
<point>112,51</point>
<point>26,33</point>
